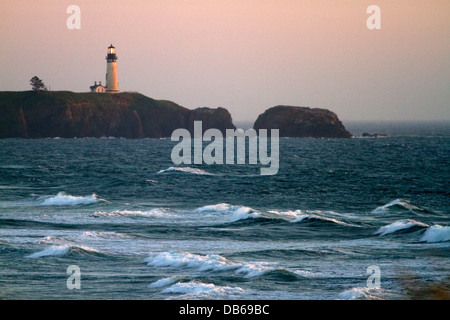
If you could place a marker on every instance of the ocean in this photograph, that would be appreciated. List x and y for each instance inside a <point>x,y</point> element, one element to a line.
<point>360,218</point>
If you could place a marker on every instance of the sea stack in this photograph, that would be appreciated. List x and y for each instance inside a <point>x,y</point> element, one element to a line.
<point>302,122</point>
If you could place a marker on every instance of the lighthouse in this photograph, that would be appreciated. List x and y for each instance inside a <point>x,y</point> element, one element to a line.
<point>112,84</point>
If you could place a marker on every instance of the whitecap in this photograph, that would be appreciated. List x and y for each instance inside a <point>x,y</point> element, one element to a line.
<point>62,250</point>
<point>318,215</point>
<point>63,199</point>
<point>234,213</point>
<point>290,216</point>
<point>436,233</point>
<point>354,294</point>
<point>197,288</point>
<point>186,170</point>
<point>52,251</point>
<point>193,287</point>
<point>400,225</point>
<point>397,205</point>
<point>206,263</point>
<point>157,212</point>
<point>103,235</point>
<point>306,273</point>
<point>252,270</point>
<point>364,293</point>
<point>188,260</point>
<point>164,282</point>
<point>301,217</point>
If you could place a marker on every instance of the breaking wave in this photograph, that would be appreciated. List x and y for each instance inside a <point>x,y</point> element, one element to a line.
<point>206,290</point>
<point>233,213</point>
<point>400,225</point>
<point>63,199</point>
<point>436,233</point>
<point>155,213</point>
<point>164,282</point>
<point>360,293</point>
<point>206,263</point>
<point>399,205</point>
<point>300,216</point>
<point>63,250</point>
<point>52,251</point>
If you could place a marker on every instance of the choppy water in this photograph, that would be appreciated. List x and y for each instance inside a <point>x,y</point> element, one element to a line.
<point>141,228</point>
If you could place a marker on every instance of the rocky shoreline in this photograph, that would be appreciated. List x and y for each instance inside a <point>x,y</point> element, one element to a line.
<point>65,114</point>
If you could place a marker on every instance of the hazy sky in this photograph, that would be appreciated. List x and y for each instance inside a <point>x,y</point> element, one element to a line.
<point>244,55</point>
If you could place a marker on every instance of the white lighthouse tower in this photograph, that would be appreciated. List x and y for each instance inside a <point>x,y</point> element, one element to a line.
<point>112,84</point>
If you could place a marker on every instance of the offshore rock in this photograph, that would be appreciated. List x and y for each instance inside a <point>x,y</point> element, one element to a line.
<point>302,122</point>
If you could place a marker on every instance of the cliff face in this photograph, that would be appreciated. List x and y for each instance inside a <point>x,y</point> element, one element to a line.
<point>130,115</point>
<point>218,118</point>
<point>302,122</point>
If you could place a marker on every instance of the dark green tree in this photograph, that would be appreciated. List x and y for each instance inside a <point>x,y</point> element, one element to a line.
<point>37,84</point>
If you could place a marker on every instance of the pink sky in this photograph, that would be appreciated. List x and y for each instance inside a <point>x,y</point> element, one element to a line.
<point>245,55</point>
